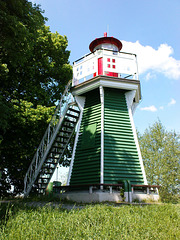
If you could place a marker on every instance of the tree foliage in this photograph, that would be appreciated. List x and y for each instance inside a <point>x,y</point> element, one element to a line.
<point>34,70</point>
<point>161,156</point>
<point>20,141</point>
<point>34,61</point>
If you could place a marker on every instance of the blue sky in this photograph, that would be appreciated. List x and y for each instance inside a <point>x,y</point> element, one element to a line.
<point>149,28</point>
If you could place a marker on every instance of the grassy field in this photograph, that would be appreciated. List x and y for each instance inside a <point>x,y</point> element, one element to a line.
<point>99,221</point>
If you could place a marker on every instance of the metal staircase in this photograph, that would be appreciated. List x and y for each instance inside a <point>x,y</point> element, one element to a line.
<point>53,144</point>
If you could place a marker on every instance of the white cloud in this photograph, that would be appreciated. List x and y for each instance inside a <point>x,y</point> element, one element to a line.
<point>149,76</point>
<point>151,108</point>
<point>159,60</point>
<point>172,102</point>
<point>161,107</point>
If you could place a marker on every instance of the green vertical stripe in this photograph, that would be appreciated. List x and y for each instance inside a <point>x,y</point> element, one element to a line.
<point>121,159</point>
<point>86,167</point>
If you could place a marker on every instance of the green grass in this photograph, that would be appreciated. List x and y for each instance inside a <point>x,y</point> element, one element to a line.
<point>98,221</point>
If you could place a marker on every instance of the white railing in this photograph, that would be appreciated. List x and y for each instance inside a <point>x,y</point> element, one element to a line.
<point>47,140</point>
<point>121,63</point>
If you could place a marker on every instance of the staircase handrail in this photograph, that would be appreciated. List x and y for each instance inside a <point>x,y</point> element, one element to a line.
<point>46,140</point>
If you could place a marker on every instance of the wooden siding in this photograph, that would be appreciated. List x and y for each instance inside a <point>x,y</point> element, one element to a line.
<point>86,168</point>
<point>121,159</point>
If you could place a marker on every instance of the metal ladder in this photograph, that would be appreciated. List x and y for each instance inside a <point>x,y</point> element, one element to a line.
<point>53,144</point>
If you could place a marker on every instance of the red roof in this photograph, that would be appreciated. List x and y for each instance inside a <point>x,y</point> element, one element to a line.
<point>101,40</point>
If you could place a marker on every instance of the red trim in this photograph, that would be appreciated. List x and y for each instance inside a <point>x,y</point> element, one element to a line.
<point>99,41</point>
<point>111,74</point>
<point>100,66</point>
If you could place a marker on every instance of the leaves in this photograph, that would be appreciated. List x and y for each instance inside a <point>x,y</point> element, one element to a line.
<point>34,70</point>
<point>33,61</point>
<point>161,155</point>
<point>19,143</point>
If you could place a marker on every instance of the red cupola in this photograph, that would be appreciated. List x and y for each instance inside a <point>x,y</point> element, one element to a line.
<point>105,42</point>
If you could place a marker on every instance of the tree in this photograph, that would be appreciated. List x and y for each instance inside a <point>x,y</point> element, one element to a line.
<point>34,70</point>
<point>28,125</point>
<point>34,61</point>
<point>161,155</point>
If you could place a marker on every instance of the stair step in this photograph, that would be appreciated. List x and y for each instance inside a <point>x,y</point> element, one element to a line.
<point>46,181</point>
<point>52,156</point>
<point>45,164</point>
<point>40,177</point>
<point>65,131</point>
<point>40,191</point>
<point>70,115</point>
<point>43,181</point>
<point>49,165</point>
<point>58,153</point>
<point>52,162</point>
<point>49,168</point>
<point>58,147</point>
<point>41,185</point>
<point>47,172</point>
<point>66,137</point>
<point>71,127</point>
<point>41,188</point>
<point>56,141</point>
<point>44,178</point>
<point>74,110</point>
<point>69,121</point>
<point>54,159</point>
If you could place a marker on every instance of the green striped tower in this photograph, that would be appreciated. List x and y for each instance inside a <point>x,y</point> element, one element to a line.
<point>107,90</point>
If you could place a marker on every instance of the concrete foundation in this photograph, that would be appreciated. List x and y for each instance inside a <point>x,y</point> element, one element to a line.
<point>106,196</point>
<point>86,197</point>
<point>152,197</point>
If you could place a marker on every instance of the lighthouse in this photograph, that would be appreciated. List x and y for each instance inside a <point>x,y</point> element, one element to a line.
<point>106,163</point>
<point>106,150</point>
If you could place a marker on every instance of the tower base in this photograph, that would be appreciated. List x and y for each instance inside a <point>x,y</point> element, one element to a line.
<point>108,196</point>
<point>86,197</point>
